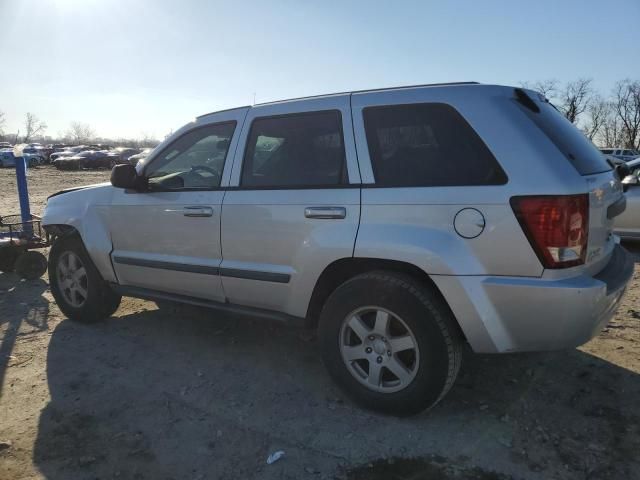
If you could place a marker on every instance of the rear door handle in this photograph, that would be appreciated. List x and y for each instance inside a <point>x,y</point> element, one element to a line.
<point>197,211</point>
<point>325,212</point>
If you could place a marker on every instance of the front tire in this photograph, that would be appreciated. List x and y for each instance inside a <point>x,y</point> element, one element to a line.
<point>390,342</point>
<point>78,288</point>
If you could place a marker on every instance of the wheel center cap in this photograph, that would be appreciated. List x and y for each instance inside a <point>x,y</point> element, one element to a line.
<point>378,346</point>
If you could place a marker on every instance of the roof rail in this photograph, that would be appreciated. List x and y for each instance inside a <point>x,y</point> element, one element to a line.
<point>444,84</point>
<point>220,111</point>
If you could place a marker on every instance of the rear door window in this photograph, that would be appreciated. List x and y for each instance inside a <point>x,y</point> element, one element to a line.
<point>578,149</point>
<point>296,150</point>
<point>428,144</point>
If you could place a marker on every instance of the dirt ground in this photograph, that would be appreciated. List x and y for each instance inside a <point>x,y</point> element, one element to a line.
<point>181,393</point>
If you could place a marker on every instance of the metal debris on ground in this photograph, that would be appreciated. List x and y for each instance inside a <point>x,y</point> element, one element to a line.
<point>275,456</point>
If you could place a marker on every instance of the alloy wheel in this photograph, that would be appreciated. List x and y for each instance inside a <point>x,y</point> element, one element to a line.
<point>72,279</point>
<point>379,349</point>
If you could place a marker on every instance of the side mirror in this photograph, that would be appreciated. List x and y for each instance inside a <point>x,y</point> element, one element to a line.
<point>124,176</point>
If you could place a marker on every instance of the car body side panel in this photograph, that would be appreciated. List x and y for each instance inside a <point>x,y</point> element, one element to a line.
<point>416,224</point>
<point>627,224</point>
<point>424,235</point>
<point>86,210</point>
<point>158,244</point>
<point>266,231</point>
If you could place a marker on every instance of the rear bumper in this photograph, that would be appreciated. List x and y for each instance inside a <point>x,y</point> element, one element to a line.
<point>511,314</point>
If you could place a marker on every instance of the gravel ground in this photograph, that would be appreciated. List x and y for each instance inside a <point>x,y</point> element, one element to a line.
<point>181,393</point>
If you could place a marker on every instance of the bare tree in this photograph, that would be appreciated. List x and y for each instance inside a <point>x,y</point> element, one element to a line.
<point>548,88</point>
<point>598,110</point>
<point>611,131</point>
<point>626,103</point>
<point>574,98</point>
<point>80,133</point>
<point>2,122</point>
<point>33,127</point>
<point>147,140</point>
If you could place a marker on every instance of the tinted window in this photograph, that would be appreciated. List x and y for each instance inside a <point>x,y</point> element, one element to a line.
<point>295,150</point>
<point>578,149</point>
<point>427,144</point>
<point>607,152</point>
<point>193,161</point>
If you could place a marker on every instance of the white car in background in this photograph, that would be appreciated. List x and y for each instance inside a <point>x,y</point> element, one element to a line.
<point>625,154</point>
<point>627,224</point>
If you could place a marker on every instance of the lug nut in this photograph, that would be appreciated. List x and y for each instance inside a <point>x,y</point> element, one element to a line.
<point>368,349</point>
<point>379,360</point>
<point>389,352</point>
<point>371,337</point>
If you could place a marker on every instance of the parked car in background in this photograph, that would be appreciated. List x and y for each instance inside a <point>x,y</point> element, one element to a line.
<point>121,155</point>
<point>34,154</point>
<point>7,158</point>
<point>67,152</point>
<point>94,159</point>
<point>88,159</point>
<point>4,145</point>
<point>401,223</point>
<point>73,162</point>
<point>627,224</point>
<point>134,159</point>
<point>625,154</point>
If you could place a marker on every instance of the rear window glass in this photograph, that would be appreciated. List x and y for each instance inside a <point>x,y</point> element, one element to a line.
<point>582,154</point>
<point>428,144</point>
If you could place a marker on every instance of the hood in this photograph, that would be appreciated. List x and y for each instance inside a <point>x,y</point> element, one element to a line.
<point>75,189</point>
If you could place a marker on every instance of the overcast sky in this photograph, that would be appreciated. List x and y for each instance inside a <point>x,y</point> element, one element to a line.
<point>134,66</point>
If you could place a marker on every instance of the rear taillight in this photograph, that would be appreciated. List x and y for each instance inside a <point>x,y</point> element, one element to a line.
<point>557,227</point>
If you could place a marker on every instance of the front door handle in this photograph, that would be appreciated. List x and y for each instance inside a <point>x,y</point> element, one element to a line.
<point>197,211</point>
<point>325,212</point>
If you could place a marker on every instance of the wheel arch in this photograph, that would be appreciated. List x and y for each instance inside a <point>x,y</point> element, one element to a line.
<point>58,230</point>
<point>338,272</point>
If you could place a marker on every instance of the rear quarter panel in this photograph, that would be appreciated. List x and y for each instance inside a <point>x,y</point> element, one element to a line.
<point>416,224</point>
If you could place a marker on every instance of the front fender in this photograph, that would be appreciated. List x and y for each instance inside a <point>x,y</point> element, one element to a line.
<point>86,211</point>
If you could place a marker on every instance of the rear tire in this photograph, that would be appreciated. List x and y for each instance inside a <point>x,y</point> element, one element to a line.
<point>78,288</point>
<point>401,365</point>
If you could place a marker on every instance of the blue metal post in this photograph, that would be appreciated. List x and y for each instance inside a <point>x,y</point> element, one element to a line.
<point>23,192</point>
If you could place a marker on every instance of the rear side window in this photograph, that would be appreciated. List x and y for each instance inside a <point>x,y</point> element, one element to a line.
<point>427,144</point>
<point>578,149</point>
<point>296,150</point>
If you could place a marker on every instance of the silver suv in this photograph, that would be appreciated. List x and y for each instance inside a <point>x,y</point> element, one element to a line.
<point>401,223</point>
